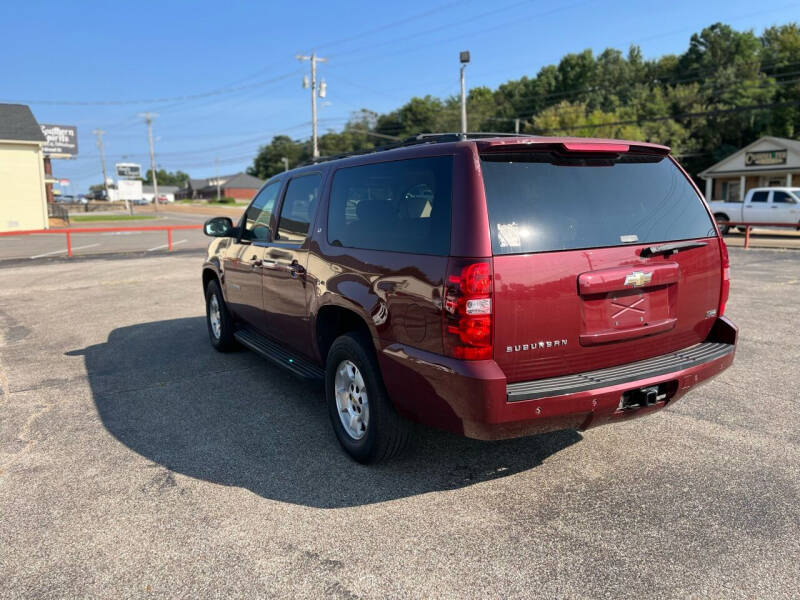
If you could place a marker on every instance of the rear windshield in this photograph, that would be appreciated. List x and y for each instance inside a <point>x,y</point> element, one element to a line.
<point>544,202</point>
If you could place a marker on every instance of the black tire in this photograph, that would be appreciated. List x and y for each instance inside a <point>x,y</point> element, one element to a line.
<point>386,432</point>
<point>224,342</point>
<point>723,229</point>
<point>741,229</point>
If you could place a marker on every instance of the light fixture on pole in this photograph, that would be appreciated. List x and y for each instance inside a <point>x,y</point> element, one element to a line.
<point>464,58</point>
<point>314,59</point>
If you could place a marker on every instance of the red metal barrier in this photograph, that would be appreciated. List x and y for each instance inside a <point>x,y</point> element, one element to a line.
<point>747,227</point>
<point>68,232</point>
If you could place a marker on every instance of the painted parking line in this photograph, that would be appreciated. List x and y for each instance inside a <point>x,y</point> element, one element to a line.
<point>166,245</point>
<point>64,251</point>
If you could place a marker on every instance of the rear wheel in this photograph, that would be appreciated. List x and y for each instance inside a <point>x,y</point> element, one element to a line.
<point>218,319</point>
<point>362,416</point>
<point>719,217</point>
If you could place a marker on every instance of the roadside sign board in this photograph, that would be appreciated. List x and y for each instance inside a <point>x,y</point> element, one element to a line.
<point>765,157</point>
<point>60,140</point>
<point>129,170</point>
<point>129,189</point>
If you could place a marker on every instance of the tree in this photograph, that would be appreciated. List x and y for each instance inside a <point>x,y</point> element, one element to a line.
<point>178,178</point>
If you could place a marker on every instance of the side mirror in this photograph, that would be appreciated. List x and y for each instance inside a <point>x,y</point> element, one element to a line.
<point>218,227</point>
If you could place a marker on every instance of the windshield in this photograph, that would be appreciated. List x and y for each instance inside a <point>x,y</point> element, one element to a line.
<point>541,202</point>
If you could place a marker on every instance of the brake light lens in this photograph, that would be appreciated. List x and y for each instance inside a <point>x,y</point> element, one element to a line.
<point>467,310</point>
<point>725,289</point>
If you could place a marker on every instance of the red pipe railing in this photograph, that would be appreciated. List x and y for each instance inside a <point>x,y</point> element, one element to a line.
<point>68,232</point>
<point>747,227</point>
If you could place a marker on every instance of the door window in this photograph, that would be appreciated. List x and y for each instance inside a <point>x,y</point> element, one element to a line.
<point>298,208</point>
<point>258,214</point>
<point>782,197</point>
<point>759,196</point>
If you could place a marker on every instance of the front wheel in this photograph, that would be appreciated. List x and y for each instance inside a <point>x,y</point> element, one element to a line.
<point>361,413</point>
<point>723,229</point>
<point>218,319</point>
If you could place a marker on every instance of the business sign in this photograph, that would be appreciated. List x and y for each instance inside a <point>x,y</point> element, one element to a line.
<point>63,182</point>
<point>129,170</point>
<point>129,189</point>
<point>60,139</point>
<point>765,158</point>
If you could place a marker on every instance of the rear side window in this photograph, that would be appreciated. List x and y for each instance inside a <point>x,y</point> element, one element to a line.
<point>759,197</point>
<point>544,202</point>
<point>298,208</point>
<point>401,206</point>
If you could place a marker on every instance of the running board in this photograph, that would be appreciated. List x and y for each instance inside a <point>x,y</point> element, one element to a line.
<point>272,351</point>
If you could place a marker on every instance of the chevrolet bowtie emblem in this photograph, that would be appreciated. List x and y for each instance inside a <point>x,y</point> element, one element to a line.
<point>638,278</point>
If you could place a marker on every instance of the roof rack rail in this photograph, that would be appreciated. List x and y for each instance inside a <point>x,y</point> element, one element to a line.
<point>422,138</point>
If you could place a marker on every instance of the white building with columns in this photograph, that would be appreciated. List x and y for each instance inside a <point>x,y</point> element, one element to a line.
<point>767,162</point>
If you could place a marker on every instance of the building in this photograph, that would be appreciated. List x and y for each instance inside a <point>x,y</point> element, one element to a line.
<point>23,200</point>
<point>239,185</point>
<point>767,162</point>
<point>163,190</point>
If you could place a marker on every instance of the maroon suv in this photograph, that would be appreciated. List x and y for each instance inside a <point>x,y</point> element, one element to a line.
<point>490,286</point>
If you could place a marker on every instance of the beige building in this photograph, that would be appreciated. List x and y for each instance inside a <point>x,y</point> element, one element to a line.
<point>23,201</point>
<point>767,162</point>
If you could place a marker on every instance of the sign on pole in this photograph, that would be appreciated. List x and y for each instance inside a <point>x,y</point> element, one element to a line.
<point>129,189</point>
<point>61,141</point>
<point>129,170</point>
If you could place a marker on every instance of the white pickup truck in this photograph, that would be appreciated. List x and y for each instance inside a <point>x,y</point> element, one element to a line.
<point>761,205</point>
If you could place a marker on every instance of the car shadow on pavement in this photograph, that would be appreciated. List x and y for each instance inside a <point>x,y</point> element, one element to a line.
<point>235,419</point>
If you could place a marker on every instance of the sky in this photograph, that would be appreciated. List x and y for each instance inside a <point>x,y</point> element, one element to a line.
<point>223,77</point>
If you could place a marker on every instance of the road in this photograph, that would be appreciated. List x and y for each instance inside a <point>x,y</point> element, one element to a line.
<point>137,462</point>
<point>47,245</point>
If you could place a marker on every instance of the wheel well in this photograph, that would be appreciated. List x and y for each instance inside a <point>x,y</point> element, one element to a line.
<point>208,275</point>
<point>721,216</point>
<point>333,321</point>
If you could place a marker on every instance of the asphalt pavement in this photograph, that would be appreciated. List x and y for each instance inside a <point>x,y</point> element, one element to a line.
<point>137,462</point>
<point>84,244</point>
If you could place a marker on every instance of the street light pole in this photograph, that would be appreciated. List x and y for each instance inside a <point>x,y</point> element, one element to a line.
<point>148,118</point>
<point>314,59</point>
<point>464,58</point>
<point>285,162</point>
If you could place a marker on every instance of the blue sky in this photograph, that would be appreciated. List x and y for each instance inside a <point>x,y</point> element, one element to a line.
<point>224,79</point>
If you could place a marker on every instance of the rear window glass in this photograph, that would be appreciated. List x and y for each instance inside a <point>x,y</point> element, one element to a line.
<point>401,206</point>
<point>544,202</point>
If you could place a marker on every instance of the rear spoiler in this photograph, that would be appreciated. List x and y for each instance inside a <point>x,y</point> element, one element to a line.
<point>576,145</point>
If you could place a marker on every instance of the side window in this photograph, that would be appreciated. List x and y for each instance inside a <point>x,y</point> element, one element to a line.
<point>298,208</point>
<point>782,197</point>
<point>259,213</point>
<point>400,206</point>
<point>759,196</point>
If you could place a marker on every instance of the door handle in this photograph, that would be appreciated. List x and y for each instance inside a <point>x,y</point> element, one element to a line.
<point>276,253</point>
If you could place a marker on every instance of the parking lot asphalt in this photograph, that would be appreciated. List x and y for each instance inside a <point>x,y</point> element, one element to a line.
<point>137,462</point>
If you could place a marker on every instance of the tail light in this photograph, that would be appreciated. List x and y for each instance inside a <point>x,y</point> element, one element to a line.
<point>467,310</point>
<point>725,289</point>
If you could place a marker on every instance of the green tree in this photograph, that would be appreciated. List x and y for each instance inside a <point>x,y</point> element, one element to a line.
<point>178,178</point>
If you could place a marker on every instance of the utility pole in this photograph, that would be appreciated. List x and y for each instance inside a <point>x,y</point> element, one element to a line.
<point>216,174</point>
<point>99,133</point>
<point>516,125</point>
<point>285,162</point>
<point>464,58</point>
<point>314,59</point>
<point>148,118</point>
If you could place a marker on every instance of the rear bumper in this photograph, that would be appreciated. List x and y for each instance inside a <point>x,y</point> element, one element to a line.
<point>474,399</point>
